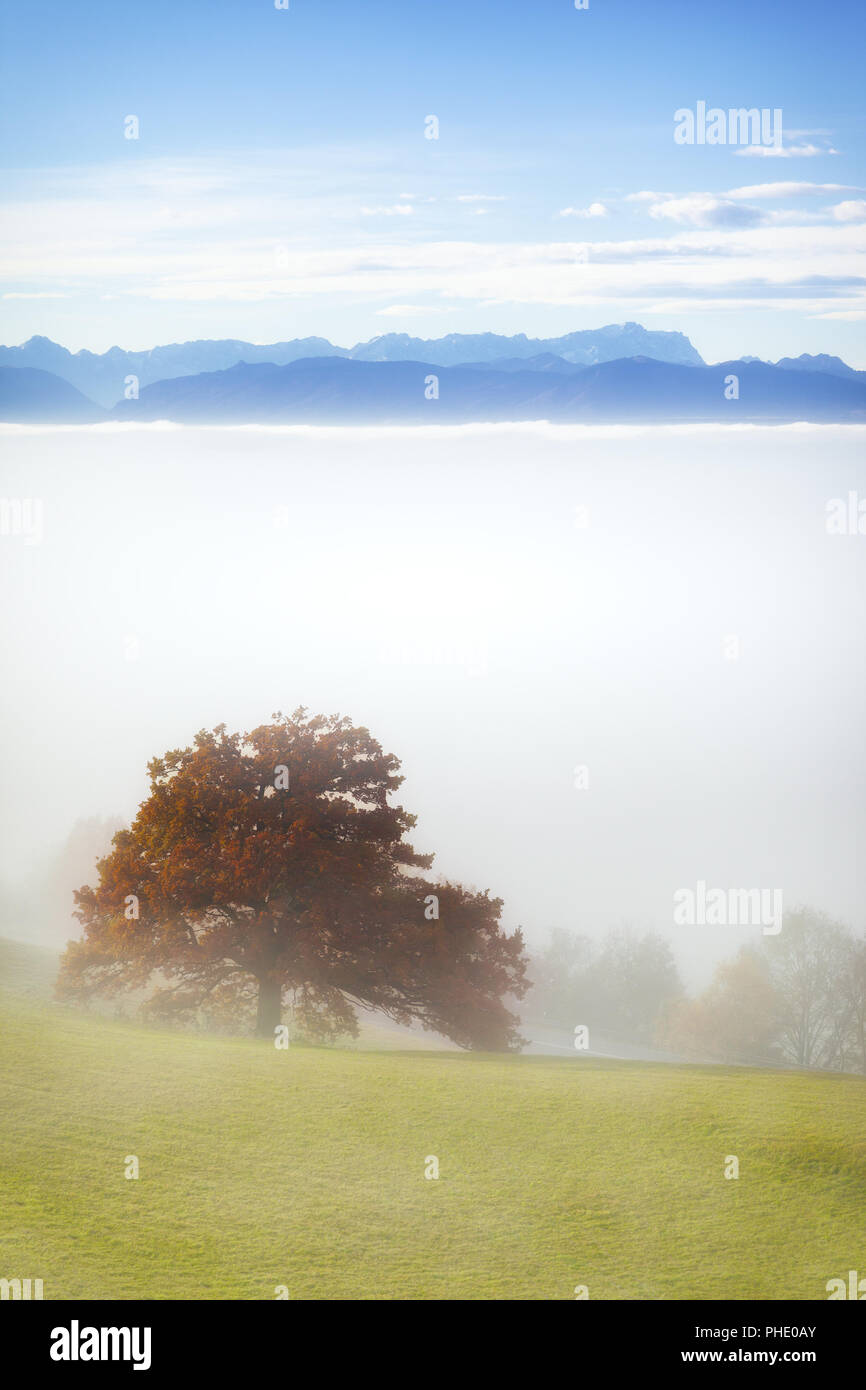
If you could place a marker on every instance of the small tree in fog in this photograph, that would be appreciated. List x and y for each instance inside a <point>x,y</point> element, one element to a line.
<point>620,987</point>
<point>735,1020</point>
<point>808,962</point>
<point>274,863</point>
<point>558,992</point>
<point>633,979</point>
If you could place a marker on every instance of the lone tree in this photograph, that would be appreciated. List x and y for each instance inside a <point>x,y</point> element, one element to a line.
<point>271,863</point>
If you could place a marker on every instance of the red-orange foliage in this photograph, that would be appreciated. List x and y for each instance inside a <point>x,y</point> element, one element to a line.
<point>241,881</point>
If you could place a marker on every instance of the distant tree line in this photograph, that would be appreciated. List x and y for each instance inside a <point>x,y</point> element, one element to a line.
<point>621,987</point>
<point>796,999</point>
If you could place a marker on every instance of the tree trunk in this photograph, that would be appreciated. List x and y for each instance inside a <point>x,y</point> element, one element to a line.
<point>270,1007</point>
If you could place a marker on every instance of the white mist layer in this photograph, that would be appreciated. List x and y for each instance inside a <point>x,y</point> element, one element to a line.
<point>500,606</point>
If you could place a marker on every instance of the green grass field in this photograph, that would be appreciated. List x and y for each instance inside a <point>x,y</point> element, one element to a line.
<point>305,1168</point>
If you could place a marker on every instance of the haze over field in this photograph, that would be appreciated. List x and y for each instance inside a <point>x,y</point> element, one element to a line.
<point>500,606</point>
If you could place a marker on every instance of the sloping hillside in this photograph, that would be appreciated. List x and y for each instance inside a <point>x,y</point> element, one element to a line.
<point>306,1168</point>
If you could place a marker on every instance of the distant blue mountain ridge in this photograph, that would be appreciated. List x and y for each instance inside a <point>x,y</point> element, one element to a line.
<point>525,384</point>
<point>102,376</point>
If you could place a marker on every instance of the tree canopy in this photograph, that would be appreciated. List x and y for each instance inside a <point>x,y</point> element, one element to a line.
<point>272,863</point>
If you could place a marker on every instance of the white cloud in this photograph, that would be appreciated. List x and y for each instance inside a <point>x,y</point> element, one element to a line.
<point>784,151</point>
<point>481,198</point>
<point>794,217</point>
<point>790,190</point>
<point>122,239</point>
<point>594,210</point>
<point>810,268</point>
<point>706,210</point>
<point>729,209</point>
<point>395,210</point>
<point>852,211</point>
<point>410,311</point>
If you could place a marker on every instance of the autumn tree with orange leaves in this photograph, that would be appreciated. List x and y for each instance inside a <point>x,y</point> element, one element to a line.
<point>273,863</point>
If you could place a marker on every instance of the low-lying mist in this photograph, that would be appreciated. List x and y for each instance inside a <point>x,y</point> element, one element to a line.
<point>616,663</point>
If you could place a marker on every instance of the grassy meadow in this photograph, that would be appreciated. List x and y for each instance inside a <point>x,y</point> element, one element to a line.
<point>306,1168</point>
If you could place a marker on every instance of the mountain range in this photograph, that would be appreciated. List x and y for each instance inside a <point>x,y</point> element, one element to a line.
<point>529,381</point>
<point>31,397</point>
<point>102,376</point>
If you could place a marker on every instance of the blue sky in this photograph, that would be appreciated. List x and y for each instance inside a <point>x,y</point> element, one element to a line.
<point>281,183</point>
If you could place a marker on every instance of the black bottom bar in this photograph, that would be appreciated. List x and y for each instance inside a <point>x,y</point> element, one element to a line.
<point>229,1338</point>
